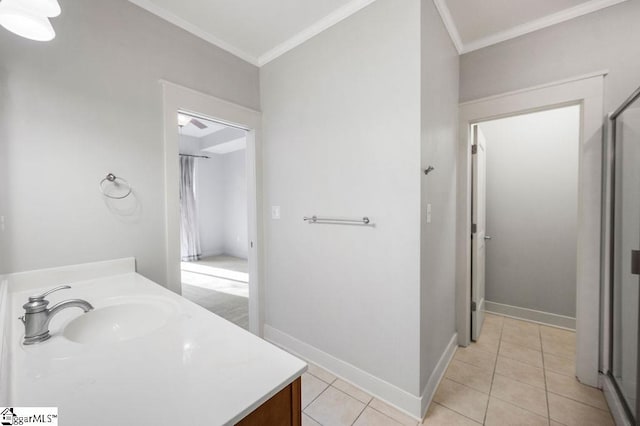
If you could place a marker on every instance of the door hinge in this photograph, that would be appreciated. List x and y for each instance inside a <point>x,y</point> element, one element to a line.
<point>635,262</point>
<point>474,228</point>
<point>474,307</point>
<point>474,149</point>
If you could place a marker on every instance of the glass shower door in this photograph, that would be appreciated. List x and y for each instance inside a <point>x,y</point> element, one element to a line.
<point>626,243</point>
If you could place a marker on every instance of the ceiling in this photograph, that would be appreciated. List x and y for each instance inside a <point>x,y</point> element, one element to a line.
<point>213,138</point>
<point>259,31</point>
<point>255,30</point>
<point>192,130</point>
<point>475,24</point>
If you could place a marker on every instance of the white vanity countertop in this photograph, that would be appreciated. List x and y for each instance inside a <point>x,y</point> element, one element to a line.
<point>195,369</point>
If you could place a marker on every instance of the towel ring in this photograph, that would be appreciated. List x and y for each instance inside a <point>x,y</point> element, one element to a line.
<point>117,181</point>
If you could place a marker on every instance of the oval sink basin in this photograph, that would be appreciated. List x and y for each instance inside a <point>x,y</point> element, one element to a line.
<point>120,321</point>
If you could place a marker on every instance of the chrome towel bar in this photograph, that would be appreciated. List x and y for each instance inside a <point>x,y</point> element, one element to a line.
<point>315,219</point>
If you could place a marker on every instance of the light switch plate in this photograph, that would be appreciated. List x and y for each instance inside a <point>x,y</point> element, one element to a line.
<point>275,212</point>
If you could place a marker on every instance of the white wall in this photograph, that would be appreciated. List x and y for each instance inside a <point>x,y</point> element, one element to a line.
<point>438,149</point>
<point>210,202</point>
<point>603,40</point>
<point>341,117</point>
<point>234,182</point>
<point>532,210</point>
<point>86,104</point>
<point>607,39</point>
<point>221,198</point>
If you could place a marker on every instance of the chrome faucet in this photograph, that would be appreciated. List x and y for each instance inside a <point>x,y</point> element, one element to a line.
<point>37,317</point>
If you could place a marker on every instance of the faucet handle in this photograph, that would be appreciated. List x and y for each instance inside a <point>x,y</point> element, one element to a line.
<point>40,297</point>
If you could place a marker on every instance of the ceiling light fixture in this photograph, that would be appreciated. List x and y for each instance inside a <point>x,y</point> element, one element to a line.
<point>183,120</point>
<point>48,8</point>
<point>29,18</point>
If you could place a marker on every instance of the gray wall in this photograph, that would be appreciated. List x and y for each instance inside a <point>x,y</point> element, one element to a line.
<point>234,181</point>
<point>341,117</point>
<point>607,39</point>
<point>532,210</point>
<point>221,197</point>
<point>210,195</point>
<point>439,149</point>
<point>86,104</point>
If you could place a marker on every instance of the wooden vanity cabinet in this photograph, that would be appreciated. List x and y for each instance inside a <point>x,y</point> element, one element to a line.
<point>283,409</point>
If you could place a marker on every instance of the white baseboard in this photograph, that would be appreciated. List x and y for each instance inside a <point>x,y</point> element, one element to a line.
<point>385,391</point>
<point>531,315</point>
<point>437,374</point>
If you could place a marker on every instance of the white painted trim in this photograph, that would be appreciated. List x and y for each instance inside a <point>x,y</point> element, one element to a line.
<point>5,320</point>
<point>607,202</point>
<point>268,56</point>
<point>587,76</point>
<point>449,24</point>
<point>150,6</point>
<point>176,97</point>
<point>385,391</point>
<point>538,24</point>
<point>539,317</point>
<point>438,373</point>
<point>313,30</point>
<point>614,402</point>
<point>588,93</point>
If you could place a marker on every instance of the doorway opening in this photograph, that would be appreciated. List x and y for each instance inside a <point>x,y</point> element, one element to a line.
<point>525,222</point>
<point>586,92</point>
<point>214,226</point>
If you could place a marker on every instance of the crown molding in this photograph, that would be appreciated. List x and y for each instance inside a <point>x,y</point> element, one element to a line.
<point>356,5</point>
<point>538,24</point>
<point>149,6</point>
<point>449,24</point>
<point>315,29</point>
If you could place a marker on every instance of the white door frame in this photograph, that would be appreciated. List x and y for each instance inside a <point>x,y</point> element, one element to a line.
<point>586,91</point>
<point>176,97</point>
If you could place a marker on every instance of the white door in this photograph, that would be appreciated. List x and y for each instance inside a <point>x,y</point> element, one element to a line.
<point>478,228</point>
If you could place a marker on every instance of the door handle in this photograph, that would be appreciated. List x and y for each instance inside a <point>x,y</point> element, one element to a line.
<point>486,237</point>
<point>635,262</point>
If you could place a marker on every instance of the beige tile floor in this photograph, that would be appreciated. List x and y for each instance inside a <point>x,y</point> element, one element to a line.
<point>329,401</point>
<point>518,373</point>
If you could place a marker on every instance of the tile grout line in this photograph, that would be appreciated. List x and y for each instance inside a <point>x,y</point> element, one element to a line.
<point>472,365</point>
<point>317,396</point>
<point>312,418</point>
<point>528,410</point>
<point>493,375</point>
<point>380,412</point>
<point>454,411</point>
<point>330,385</point>
<point>462,384</point>
<point>578,401</point>
<point>544,372</point>
<point>366,405</point>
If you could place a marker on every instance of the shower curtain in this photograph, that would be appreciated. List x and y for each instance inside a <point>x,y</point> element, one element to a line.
<point>189,237</point>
